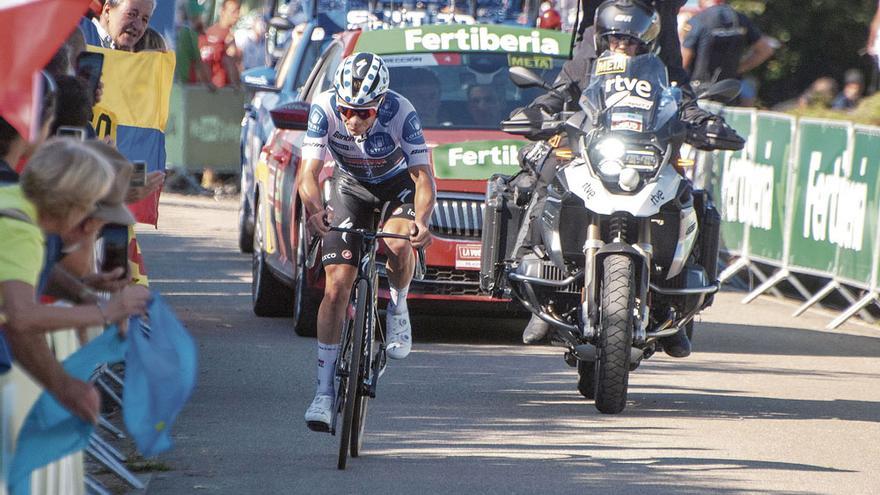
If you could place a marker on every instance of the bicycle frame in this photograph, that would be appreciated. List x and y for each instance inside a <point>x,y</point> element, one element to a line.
<point>357,350</point>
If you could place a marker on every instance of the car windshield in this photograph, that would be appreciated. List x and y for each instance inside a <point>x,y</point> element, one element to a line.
<point>466,90</point>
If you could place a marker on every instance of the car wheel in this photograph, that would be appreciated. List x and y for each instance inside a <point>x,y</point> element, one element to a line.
<point>305,301</point>
<point>245,218</point>
<point>269,296</point>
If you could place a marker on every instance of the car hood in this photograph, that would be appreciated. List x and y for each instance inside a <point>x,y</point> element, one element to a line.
<point>464,159</point>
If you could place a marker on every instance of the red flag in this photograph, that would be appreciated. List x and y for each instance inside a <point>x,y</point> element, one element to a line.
<point>30,33</point>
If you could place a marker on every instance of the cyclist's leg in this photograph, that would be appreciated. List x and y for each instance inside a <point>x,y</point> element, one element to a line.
<point>401,263</point>
<point>340,254</point>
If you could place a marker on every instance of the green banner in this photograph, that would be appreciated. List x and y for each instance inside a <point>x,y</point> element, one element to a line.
<point>730,169</point>
<point>859,203</point>
<point>204,128</point>
<point>476,160</point>
<point>766,190</point>
<point>465,38</point>
<point>824,197</point>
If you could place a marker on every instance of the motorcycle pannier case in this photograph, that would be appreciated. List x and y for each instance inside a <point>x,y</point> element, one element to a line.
<point>501,221</point>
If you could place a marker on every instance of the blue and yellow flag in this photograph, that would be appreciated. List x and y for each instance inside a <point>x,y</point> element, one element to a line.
<point>133,111</point>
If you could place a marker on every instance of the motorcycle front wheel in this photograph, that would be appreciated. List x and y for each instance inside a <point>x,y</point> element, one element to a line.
<point>615,335</point>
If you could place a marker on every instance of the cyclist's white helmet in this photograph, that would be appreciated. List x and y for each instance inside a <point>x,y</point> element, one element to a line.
<point>361,79</point>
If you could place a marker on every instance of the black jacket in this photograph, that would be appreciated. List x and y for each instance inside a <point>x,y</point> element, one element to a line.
<point>575,74</point>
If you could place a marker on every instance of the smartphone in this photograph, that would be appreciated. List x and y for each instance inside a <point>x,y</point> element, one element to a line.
<point>139,174</point>
<point>72,132</point>
<point>115,238</point>
<point>89,66</point>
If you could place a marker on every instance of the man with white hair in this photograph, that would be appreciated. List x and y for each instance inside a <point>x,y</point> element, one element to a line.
<point>121,25</point>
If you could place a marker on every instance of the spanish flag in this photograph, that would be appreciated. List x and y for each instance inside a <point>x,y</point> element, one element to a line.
<point>133,111</point>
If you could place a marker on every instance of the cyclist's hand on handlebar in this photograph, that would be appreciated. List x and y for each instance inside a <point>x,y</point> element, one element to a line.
<point>419,235</point>
<point>319,223</point>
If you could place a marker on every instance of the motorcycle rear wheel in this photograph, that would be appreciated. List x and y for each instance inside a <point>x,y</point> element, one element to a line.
<point>615,335</point>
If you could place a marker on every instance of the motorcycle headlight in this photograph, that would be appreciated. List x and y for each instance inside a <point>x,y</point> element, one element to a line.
<point>611,149</point>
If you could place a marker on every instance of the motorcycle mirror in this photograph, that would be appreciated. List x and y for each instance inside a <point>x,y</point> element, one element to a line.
<point>524,78</point>
<point>723,91</point>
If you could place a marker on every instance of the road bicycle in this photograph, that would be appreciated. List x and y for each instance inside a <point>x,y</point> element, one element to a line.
<point>362,359</point>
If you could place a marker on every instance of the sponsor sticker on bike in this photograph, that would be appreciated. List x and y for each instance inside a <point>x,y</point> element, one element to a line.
<point>530,61</point>
<point>614,64</point>
<point>625,121</point>
<point>467,256</point>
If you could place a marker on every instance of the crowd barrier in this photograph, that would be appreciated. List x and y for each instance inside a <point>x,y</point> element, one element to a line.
<point>803,197</point>
<point>204,128</point>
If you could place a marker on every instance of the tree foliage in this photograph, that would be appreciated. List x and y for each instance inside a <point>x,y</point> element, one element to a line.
<point>819,38</point>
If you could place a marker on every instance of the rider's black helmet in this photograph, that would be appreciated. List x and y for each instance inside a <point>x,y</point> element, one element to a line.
<point>633,18</point>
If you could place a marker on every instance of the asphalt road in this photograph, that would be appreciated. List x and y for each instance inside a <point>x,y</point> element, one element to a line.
<point>766,404</point>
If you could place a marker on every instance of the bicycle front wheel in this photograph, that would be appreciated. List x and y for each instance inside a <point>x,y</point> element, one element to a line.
<point>355,374</point>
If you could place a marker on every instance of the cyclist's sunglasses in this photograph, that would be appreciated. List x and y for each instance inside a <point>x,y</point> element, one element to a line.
<point>362,113</point>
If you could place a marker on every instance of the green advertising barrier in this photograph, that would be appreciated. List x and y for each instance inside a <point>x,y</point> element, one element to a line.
<point>729,180</point>
<point>857,189</point>
<point>204,128</point>
<point>476,160</point>
<point>765,194</point>
<point>821,220</point>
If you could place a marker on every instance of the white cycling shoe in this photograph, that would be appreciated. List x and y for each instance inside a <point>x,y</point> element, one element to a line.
<point>399,334</point>
<point>319,414</point>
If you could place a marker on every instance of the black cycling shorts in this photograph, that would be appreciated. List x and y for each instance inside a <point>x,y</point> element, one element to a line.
<point>355,204</point>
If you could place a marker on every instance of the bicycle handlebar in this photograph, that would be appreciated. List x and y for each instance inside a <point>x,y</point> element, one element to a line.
<point>421,263</point>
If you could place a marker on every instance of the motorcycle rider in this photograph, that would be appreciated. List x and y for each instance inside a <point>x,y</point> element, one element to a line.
<point>630,27</point>
<point>375,137</point>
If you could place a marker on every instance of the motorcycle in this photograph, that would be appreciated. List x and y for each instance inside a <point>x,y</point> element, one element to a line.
<point>627,249</point>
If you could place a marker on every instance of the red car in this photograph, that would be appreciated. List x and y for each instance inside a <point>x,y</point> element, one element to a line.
<point>456,76</point>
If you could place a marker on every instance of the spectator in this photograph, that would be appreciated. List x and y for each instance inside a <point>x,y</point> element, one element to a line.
<point>60,185</point>
<point>121,25</point>
<point>820,94</point>
<point>872,47</point>
<point>484,106</point>
<point>253,45</point>
<point>74,107</point>
<point>14,149</point>
<point>716,40</point>
<point>218,49</point>
<point>190,68</point>
<point>422,88</point>
<point>151,41</point>
<point>853,86</point>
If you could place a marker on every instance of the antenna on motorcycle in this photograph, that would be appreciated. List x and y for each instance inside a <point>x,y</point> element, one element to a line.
<point>524,78</point>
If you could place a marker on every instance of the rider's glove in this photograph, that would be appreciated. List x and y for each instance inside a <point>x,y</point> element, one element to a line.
<point>532,156</point>
<point>713,133</point>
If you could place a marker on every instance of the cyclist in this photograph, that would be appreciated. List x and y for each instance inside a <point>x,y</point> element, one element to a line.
<point>375,137</point>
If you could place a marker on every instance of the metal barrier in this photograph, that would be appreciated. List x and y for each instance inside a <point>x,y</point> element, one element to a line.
<point>803,198</point>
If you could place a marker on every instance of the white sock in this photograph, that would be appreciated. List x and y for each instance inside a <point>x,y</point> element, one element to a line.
<point>326,367</point>
<point>397,304</point>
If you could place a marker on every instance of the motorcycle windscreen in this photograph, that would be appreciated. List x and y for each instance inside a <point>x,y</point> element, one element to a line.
<point>630,93</point>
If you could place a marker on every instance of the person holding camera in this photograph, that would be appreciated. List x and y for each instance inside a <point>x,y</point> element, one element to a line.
<point>61,185</point>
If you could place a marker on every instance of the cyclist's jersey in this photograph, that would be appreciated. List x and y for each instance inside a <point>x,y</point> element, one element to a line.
<point>393,144</point>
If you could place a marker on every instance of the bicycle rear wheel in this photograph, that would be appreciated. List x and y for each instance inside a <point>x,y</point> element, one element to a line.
<point>355,374</point>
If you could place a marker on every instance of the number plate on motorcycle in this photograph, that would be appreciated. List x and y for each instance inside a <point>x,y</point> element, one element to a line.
<point>467,256</point>
<point>626,121</point>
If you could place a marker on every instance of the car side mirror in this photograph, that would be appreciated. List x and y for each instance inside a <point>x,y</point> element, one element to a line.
<point>292,116</point>
<point>259,79</point>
